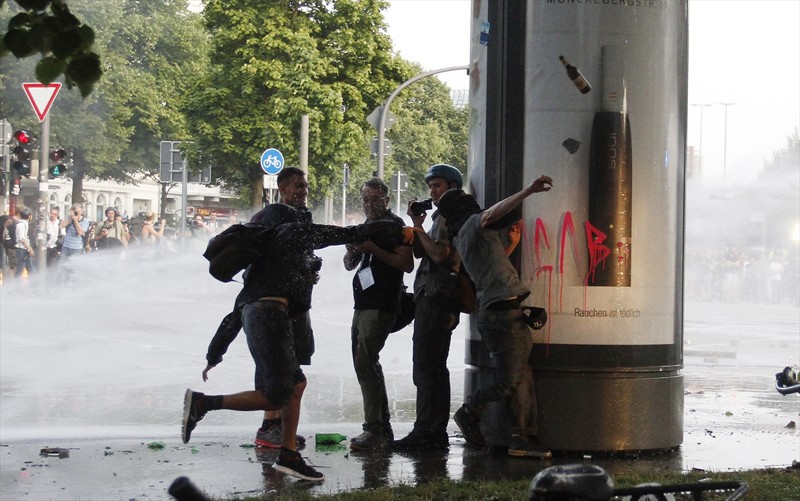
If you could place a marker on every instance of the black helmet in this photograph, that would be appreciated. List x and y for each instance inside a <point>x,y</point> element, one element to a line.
<point>447,172</point>
<point>456,207</point>
<point>275,214</point>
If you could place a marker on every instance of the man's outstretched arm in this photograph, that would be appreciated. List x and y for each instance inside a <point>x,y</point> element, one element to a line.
<point>503,207</point>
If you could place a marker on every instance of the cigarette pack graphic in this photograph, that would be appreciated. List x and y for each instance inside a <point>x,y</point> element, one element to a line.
<point>610,173</point>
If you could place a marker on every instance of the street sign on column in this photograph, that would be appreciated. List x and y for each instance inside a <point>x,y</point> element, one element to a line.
<point>41,96</point>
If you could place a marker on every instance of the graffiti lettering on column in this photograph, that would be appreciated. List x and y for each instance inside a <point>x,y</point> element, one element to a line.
<point>539,235</point>
<point>599,255</point>
<point>597,251</point>
<point>567,228</point>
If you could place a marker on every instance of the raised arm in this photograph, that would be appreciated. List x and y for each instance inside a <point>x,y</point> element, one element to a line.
<point>503,207</point>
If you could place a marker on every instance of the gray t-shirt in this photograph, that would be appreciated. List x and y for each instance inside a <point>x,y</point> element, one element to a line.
<point>483,256</point>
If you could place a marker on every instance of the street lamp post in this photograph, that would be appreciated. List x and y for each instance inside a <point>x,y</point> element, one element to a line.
<point>725,144</point>
<point>701,106</point>
<point>385,108</point>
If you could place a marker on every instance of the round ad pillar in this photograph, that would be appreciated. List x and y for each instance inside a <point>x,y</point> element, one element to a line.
<point>605,117</point>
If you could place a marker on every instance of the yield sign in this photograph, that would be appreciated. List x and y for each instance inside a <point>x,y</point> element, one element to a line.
<point>41,96</point>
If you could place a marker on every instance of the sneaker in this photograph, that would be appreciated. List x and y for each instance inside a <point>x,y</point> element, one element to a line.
<point>521,446</point>
<point>273,437</point>
<point>193,411</point>
<point>291,463</point>
<point>422,440</point>
<point>370,440</point>
<point>470,425</point>
<point>270,437</point>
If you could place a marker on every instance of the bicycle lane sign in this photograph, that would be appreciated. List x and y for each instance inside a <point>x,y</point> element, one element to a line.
<point>271,161</point>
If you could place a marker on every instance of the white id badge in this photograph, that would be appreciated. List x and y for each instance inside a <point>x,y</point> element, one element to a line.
<point>366,278</point>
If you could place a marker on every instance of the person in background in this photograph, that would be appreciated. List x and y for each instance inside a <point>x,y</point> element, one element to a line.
<point>76,229</point>
<point>149,233</point>
<point>433,324</point>
<point>377,287</point>
<point>54,231</point>
<point>109,233</point>
<point>212,224</point>
<point>23,249</point>
<point>478,237</point>
<point>89,244</point>
<point>126,234</point>
<point>9,239</point>
<point>199,228</point>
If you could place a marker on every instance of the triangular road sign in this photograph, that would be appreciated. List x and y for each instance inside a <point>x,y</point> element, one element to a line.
<point>41,96</point>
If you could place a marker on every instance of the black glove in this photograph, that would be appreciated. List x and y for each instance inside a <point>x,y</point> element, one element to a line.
<point>386,234</point>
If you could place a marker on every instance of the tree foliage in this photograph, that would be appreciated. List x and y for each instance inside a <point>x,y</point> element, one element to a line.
<point>148,50</point>
<point>64,42</point>
<point>272,63</point>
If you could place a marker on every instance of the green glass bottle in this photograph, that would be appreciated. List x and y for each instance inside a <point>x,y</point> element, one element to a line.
<point>329,438</point>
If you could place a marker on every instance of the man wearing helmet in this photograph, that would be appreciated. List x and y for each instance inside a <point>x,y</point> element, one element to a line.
<point>275,289</point>
<point>433,323</point>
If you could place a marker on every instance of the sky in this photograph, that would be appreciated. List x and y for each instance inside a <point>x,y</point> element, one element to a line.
<point>745,52</point>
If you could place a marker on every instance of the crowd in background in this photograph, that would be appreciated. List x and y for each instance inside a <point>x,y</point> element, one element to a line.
<point>732,274</point>
<point>73,233</point>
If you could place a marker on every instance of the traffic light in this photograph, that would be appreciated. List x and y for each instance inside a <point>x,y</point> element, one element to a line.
<point>59,167</point>
<point>22,153</point>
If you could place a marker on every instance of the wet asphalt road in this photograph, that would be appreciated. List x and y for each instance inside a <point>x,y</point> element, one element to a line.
<point>101,372</point>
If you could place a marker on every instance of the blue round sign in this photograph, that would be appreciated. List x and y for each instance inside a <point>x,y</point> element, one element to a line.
<point>271,161</point>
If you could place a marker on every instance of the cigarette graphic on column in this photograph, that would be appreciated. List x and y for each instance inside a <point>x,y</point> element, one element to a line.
<point>610,172</point>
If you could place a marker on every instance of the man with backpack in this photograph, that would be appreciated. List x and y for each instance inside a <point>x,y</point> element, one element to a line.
<point>8,228</point>
<point>276,288</point>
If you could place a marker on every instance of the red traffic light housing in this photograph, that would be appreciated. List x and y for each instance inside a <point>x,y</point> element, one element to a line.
<point>59,167</point>
<point>58,155</point>
<point>22,154</point>
<point>22,137</point>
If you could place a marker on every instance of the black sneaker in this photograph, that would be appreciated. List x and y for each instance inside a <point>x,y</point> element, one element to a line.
<point>193,411</point>
<point>291,463</point>
<point>421,440</point>
<point>470,425</point>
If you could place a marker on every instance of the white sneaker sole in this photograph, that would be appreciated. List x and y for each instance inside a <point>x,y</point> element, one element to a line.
<point>187,408</point>
<point>296,474</point>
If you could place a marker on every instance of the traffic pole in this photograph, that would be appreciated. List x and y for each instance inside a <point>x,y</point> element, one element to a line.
<point>41,202</point>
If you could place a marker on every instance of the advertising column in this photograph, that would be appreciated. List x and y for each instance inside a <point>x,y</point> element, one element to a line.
<point>605,118</point>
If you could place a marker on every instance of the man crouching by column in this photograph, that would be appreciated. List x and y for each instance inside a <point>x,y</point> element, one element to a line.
<point>275,290</point>
<point>476,235</point>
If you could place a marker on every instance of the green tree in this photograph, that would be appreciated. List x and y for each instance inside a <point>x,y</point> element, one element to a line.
<point>273,63</point>
<point>148,49</point>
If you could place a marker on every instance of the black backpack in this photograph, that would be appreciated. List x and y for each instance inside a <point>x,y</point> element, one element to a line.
<point>235,249</point>
<point>9,232</point>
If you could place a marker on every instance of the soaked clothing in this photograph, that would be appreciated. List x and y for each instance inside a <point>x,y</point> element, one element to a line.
<point>376,308</point>
<point>384,294</point>
<point>277,371</point>
<point>285,270</point>
<point>483,256</point>
<point>500,322</point>
<point>433,330</point>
